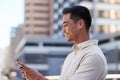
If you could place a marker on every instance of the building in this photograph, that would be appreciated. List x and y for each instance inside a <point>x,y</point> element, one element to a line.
<point>38,22</point>
<point>105,14</point>
<point>16,36</point>
<point>9,52</point>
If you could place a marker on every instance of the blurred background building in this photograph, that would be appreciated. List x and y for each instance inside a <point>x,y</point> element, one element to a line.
<point>38,21</point>
<point>40,44</point>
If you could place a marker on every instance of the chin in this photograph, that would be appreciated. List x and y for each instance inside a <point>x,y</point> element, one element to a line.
<point>69,40</point>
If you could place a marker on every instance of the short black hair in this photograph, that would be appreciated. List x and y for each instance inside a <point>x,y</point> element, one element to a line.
<point>79,12</point>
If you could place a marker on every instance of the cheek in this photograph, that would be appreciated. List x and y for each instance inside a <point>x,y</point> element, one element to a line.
<point>71,29</point>
<point>71,32</point>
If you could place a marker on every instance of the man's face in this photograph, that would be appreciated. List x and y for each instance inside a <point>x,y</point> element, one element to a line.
<point>69,28</point>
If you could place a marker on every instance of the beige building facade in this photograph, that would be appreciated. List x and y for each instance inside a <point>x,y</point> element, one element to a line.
<point>38,20</point>
<point>106,15</point>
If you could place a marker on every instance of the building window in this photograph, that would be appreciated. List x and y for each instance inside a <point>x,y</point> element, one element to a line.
<point>27,4</point>
<point>27,18</point>
<point>27,32</point>
<point>31,44</point>
<point>101,13</point>
<point>43,72</point>
<point>40,25</point>
<point>42,33</point>
<point>40,4</point>
<point>27,25</point>
<point>41,18</point>
<point>27,11</point>
<point>35,58</point>
<point>101,29</point>
<point>41,11</point>
<point>55,10</point>
<point>101,1</point>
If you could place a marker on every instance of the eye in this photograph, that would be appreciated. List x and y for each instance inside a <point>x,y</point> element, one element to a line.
<point>65,25</point>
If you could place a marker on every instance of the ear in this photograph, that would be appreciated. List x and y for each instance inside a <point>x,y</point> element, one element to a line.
<point>80,23</point>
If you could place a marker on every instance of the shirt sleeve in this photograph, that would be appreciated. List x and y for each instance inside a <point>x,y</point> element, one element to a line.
<point>90,68</point>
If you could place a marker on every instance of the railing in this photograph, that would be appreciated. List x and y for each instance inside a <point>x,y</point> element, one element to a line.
<point>113,76</point>
<point>52,77</point>
<point>109,76</point>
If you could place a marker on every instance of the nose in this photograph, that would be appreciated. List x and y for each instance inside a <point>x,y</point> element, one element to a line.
<point>63,29</point>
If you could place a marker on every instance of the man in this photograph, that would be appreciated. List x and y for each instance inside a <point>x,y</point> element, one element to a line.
<point>87,61</point>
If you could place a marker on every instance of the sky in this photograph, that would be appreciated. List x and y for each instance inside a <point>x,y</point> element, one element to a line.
<point>11,15</point>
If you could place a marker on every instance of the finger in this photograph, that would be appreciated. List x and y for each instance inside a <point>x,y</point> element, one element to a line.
<point>20,63</point>
<point>23,73</point>
<point>26,76</point>
<point>21,68</point>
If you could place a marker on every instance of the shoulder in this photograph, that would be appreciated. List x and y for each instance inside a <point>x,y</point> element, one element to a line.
<point>93,51</point>
<point>94,60</point>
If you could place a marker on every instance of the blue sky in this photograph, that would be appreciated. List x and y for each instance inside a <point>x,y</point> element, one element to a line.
<point>11,15</point>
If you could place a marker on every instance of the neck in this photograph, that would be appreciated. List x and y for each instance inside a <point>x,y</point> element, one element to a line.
<point>82,38</point>
<point>80,41</point>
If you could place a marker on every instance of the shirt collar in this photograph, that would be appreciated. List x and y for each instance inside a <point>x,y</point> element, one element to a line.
<point>85,44</point>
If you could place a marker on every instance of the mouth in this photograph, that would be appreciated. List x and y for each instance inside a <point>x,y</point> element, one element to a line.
<point>66,35</point>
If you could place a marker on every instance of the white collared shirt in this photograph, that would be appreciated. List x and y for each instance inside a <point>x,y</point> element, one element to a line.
<point>86,62</point>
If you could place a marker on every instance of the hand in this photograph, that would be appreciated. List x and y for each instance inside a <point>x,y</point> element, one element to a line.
<point>29,73</point>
